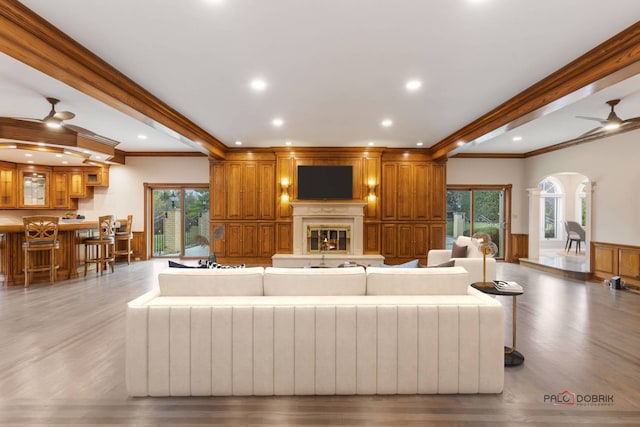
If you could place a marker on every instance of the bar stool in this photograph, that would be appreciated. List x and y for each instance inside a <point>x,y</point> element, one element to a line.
<point>124,236</point>
<point>41,235</point>
<point>103,244</point>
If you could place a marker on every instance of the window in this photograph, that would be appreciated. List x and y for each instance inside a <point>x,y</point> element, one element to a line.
<point>551,198</point>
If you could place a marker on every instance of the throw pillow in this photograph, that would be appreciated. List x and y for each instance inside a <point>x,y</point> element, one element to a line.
<point>409,264</point>
<point>450,263</point>
<point>173,264</point>
<point>458,251</point>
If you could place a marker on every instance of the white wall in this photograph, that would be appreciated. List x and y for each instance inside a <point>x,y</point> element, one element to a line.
<point>125,194</point>
<point>495,172</point>
<point>612,164</point>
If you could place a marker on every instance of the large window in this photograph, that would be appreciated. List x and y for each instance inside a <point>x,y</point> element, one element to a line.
<point>477,210</point>
<point>180,221</point>
<point>551,197</point>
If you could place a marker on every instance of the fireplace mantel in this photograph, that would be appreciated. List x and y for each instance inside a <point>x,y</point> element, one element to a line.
<point>349,213</point>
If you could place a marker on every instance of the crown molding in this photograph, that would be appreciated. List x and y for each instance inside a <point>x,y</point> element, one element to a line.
<point>32,40</point>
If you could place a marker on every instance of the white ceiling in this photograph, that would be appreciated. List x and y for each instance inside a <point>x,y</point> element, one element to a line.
<point>334,68</point>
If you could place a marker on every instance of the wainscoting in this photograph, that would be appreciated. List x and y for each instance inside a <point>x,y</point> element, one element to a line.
<point>610,259</point>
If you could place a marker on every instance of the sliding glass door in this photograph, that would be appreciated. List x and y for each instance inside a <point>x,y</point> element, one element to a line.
<point>180,217</point>
<point>477,210</point>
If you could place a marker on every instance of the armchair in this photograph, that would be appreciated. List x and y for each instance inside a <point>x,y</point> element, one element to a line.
<point>575,233</point>
<point>473,262</point>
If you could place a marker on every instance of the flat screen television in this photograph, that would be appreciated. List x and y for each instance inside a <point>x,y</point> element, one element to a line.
<point>325,182</point>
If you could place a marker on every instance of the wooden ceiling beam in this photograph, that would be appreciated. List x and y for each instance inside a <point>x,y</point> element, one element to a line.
<point>32,40</point>
<point>615,55</point>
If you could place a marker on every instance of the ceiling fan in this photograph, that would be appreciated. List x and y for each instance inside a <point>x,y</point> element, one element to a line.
<point>612,121</point>
<point>54,119</point>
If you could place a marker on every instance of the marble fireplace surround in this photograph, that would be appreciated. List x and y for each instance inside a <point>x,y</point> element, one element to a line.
<point>314,213</point>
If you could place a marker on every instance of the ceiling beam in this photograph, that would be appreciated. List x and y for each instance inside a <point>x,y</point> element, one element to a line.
<point>32,40</point>
<point>583,74</point>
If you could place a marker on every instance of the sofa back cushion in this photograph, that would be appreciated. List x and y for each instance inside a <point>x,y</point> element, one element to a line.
<point>417,281</point>
<point>314,281</point>
<point>211,282</point>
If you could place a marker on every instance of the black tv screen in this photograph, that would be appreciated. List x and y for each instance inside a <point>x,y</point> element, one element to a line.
<point>325,182</point>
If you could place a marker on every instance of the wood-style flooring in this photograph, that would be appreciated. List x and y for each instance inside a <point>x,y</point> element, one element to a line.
<point>62,363</point>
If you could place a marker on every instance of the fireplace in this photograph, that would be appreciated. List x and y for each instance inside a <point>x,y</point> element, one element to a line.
<point>342,224</point>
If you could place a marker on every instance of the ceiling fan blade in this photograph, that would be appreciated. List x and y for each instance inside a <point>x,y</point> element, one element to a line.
<point>602,122</point>
<point>591,132</point>
<point>64,115</point>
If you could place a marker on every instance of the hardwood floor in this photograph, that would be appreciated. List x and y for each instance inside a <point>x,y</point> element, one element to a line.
<point>62,363</point>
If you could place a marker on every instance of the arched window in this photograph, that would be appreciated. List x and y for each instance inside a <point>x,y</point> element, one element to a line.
<point>551,206</point>
<point>581,204</point>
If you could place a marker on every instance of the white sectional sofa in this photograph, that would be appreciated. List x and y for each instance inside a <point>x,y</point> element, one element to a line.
<point>298,331</point>
<point>473,262</point>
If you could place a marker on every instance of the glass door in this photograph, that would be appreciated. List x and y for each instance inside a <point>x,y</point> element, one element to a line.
<point>477,210</point>
<point>180,217</point>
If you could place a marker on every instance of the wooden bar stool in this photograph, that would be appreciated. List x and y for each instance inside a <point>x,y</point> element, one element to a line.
<point>103,246</point>
<point>124,236</point>
<point>41,235</point>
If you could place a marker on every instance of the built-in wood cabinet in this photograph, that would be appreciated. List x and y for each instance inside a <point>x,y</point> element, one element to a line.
<point>46,187</point>
<point>405,241</point>
<point>8,185</point>
<point>406,191</point>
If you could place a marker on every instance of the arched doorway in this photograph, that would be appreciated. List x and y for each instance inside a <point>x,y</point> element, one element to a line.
<point>558,199</point>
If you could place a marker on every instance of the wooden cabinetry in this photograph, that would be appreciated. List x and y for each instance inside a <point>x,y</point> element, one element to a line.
<point>249,189</point>
<point>60,190</point>
<point>8,185</point>
<point>34,187</point>
<point>405,241</point>
<point>406,190</point>
<point>77,188</point>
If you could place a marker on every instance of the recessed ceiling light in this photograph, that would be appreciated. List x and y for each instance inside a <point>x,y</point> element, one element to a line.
<point>277,122</point>
<point>141,136</point>
<point>516,138</point>
<point>386,123</point>
<point>419,144</point>
<point>64,162</point>
<point>460,143</point>
<point>86,151</point>
<point>28,155</point>
<point>29,161</point>
<point>58,155</point>
<point>287,143</point>
<point>413,85</point>
<point>258,85</point>
<point>238,142</point>
<point>371,143</point>
<point>98,157</point>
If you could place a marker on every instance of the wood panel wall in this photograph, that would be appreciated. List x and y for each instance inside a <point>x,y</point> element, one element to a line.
<point>403,218</point>
<point>609,259</point>
<point>519,247</point>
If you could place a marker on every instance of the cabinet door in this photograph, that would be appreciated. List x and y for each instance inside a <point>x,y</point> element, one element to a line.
<point>420,235</point>
<point>34,187</point>
<point>389,240</point>
<point>266,240</point>
<point>266,191</point>
<point>60,186</point>
<point>404,200</point>
<point>438,189</point>
<point>234,189</point>
<point>233,240</point>
<point>388,192</point>
<point>249,191</point>
<point>421,191</point>
<point>371,239</point>
<point>218,192</point>
<point>7,187</point>
<point>77,187</point>
<point>249,240</point>
<point>405,241</point>
<point>284,238</point>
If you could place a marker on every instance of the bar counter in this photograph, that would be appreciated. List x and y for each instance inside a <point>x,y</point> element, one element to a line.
<point>68,257</point>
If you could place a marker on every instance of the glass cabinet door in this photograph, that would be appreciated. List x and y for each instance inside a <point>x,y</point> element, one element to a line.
<point>34,187</point>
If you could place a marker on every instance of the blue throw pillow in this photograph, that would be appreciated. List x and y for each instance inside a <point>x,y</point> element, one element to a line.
<point>409,264</point>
